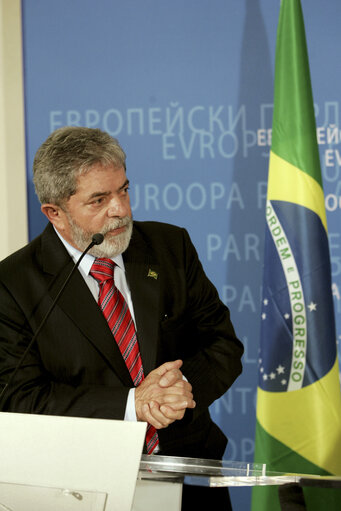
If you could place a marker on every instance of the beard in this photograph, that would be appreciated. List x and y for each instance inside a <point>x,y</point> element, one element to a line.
<point>112,245</point>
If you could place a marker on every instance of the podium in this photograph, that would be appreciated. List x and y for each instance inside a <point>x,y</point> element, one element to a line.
<point>49,463</point>
<point>68,463</point>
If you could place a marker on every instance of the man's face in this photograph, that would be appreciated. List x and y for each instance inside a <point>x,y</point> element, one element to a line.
<point>101,204</point>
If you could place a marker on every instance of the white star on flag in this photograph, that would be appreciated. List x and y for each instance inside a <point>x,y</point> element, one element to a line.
<point>280,369</point>
<point>312,306</point>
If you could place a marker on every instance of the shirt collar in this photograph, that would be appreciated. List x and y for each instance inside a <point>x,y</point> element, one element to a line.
<point>88,259</point>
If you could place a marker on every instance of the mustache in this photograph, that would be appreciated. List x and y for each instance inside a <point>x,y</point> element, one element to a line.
<point>116,224</point>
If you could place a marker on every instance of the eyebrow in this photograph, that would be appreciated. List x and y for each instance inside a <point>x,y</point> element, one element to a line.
<point>101,194</point>
<point>126,183</point>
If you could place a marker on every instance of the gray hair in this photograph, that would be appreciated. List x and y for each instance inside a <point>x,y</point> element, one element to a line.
<point>67,153</point>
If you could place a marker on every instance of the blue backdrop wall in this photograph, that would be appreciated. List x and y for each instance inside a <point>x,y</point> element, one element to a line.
<point>187,88</point>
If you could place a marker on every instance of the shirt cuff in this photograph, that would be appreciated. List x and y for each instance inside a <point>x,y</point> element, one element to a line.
<point>130,412</point>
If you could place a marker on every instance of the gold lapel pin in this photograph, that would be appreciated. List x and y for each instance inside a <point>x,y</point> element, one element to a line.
<point>152,274</point>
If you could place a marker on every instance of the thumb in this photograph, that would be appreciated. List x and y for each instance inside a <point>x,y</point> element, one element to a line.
<point>168,366</point>
<point>172,375</point>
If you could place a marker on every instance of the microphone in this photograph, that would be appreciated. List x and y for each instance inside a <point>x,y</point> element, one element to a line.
<point>97,239</point>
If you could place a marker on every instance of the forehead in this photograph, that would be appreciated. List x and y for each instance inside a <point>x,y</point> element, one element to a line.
<point>99,177</point>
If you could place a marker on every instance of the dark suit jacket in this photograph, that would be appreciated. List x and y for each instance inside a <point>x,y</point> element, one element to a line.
<point>76,369</point>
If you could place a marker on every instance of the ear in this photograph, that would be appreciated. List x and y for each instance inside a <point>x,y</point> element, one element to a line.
<point>55,215</point>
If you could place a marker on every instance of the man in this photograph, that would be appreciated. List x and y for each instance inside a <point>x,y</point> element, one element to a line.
<point>187,354</point>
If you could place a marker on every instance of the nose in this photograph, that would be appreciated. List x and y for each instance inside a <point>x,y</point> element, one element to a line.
<point>119,208</point>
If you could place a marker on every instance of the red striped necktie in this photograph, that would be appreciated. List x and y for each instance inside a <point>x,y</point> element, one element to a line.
<point>121,324</point>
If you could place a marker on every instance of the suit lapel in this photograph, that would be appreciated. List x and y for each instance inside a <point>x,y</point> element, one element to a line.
<point>142,274</point>
<point>79,305</point>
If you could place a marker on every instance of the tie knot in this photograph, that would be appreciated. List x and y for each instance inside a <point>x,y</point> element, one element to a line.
<point>102,269</point>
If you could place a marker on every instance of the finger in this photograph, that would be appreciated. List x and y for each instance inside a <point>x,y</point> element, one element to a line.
<point>170,413</point>
<point>178,404</point>
<point>158,415</point>
<point>181,405</point>
<point>160,393</point>
<point>148,417</point>
<point>168,366</point>
<point>176,400</point>
<point>182,391</point>
<point>184,384</point>
<point>170,378</point>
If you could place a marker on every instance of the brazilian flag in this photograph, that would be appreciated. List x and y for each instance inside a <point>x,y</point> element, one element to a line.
<point>298,401</point>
